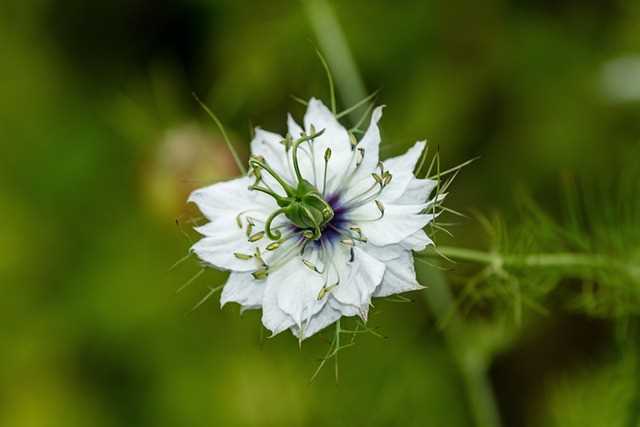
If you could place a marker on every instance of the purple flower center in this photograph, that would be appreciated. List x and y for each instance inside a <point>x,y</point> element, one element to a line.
<point>334,228</point>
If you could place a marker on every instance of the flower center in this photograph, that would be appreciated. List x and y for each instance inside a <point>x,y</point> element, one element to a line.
<point>314,217</point>
<point>303,204</point>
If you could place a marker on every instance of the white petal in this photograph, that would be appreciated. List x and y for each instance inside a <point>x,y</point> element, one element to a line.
<point>397,223</point>
<point>229,198</point>
<point>359,280</point>
<point>223,238</point>
<point>399,276</point>
<point>294,128</point>
<point>418,191</point>
<point>319,321</point>
<point>407,161</point>
<point>418,241</point>
<point>243,289</point>
<point>347,310</point>
<point>319,116</point>
<point>222,203</point>
<point>369,187</point>
<point>370,143</point>
<point>295,289</point>
<point>269,145</point>
<point>273,318</point>
<point>336,138</point>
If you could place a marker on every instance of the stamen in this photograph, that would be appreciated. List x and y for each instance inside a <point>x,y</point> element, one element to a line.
<point>284,257</point>
<point>258,256</point>
<point>380,207</point>
<point>260,274</point>
<point>325,290</point>
<point>311,266</point>
<point>242,256</point>
<point>327,156</point>
<point>273,246</point>
<point>255,237</point>
<point>353,140</point>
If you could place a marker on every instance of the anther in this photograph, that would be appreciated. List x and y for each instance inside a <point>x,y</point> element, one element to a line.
<point>258,256</point>
<point>249,229</point>
<point>273,246</point>
<point>325,290</point>
<point>260,274</point>
<point>347,242</point>
<point>387,178</point>
<point>353,140</point>
<point>310,265</point>
<point>242,256</point>
<point>361,152</point>
<point>255,237</point>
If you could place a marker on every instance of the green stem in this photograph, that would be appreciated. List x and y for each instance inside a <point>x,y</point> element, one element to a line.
<point>332,41</point>
<point>472,362</point>
<point>542,260</point>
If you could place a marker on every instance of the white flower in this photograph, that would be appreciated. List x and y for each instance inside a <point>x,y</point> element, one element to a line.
<point>319,225</point>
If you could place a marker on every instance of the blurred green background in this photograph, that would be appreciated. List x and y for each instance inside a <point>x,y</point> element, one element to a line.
<point>101,142</point>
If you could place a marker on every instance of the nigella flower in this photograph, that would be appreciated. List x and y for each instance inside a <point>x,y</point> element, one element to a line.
<point>319,226</point>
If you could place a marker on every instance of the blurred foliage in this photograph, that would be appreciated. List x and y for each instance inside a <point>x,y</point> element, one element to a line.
<point>101,142</point>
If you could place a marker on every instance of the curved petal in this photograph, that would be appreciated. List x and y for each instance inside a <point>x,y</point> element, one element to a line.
<point>360,278</point>
<point>399,276</point>
<point>295,288</point>
<point>229,198</point>
<point>368,188</point>
<point>223,240</point>
<point>226,205</point>
<point>319,116</point>
<point>397,223</point>
<point>405,162</point>
<point>370,144</point>
<point>293,127</point>
<point>243,289</point>
<point>273,318</point>
<point>418,191</point>
<point>418,241</point>
<point>336,138</point>
<point>317,322</point>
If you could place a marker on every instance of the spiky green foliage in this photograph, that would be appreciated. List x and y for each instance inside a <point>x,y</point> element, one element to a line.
<point>588,256</point>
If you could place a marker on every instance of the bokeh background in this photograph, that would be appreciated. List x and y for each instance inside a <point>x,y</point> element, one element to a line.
<point>101,142</point>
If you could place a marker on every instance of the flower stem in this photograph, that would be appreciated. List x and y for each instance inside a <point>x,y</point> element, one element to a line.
<point>334,45</point>
<point>332,41</point>
<point>541,260</point>
<point>472,362</point>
